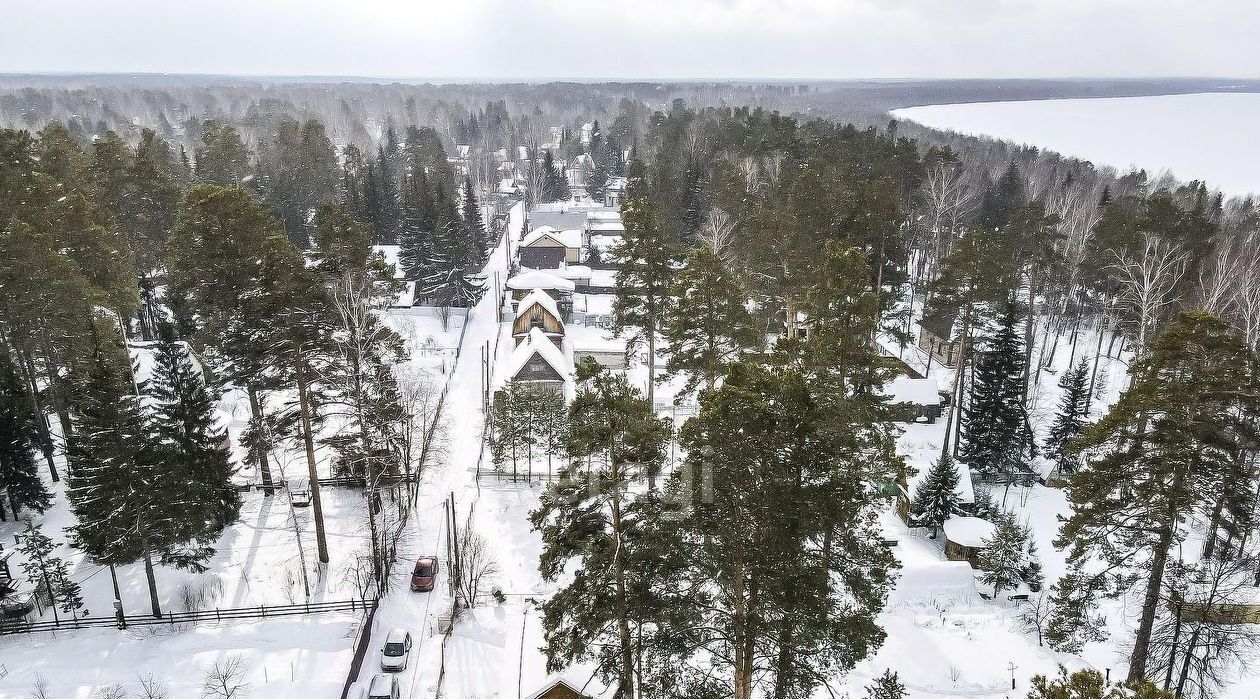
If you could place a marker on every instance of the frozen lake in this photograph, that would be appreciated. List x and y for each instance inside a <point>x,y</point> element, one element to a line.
<point>1211,137</point>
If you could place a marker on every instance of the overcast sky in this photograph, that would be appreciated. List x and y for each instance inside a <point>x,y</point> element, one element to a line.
<point>533,39</point>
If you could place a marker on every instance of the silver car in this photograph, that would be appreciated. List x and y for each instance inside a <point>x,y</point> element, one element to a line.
<point>383,687</point>
<point>396,651</point>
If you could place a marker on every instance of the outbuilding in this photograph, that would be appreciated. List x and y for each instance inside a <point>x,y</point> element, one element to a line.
<point>558,288</point>
<point>965,537</point>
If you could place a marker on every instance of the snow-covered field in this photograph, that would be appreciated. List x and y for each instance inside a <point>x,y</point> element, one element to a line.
<point>1203,136</point>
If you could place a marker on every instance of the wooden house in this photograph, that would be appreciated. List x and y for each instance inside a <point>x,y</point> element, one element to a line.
<point>548,248</point>
<point>964,537</point>
<point>537,360</point>
<point>936,338</point>
<point>538,311</point>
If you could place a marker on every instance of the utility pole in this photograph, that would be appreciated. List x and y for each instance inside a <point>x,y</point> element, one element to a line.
<point>316,507</point>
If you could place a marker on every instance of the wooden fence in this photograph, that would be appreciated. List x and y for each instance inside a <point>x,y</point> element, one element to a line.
<point>13,626</point>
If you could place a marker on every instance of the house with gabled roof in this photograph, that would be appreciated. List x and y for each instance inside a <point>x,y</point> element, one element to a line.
<point>546,247</point>
<point>538,360</point>
<point>538,311</point>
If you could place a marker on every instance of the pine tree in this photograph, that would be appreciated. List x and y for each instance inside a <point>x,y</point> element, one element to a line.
<point>1165,450</point>
<point>886,686</point>
<point>611,611</point>
<point>19,476</point>
<point>222,157</point>
<point>936,498</point>
<point>114,463</point>
<point>708,324</point>
<point>994,432</point>
<point>386,203</point>
<point>1071,418</point>
<point>645,269</point>
<point>472,230</point>
<point>237,285</point>
<point>50,572</point>
<point>555,185</point>
<point>765,438</point>
<point>196,478</point>
<point>1003,554</point>
<point>1073,621</point>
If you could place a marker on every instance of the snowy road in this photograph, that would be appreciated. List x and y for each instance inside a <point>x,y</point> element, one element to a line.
<point>454,473</point>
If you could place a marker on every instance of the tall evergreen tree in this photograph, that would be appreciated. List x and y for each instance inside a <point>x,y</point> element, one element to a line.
<point>472,229</point>
<point>708,324</point>
<point>386,203</point>
<point>645,268</point>
<point>936,498</point>
<point>196,478</point>
<point>113,466</point>
<point>794,589</point>
<point>616,611</point>
<point>235,282</point>
<point>222,158</point>
<point>1166,449</point>
<point>1071,418</point>
<point>555,185</point>
<point>19,477</point>
<point>994,429</point>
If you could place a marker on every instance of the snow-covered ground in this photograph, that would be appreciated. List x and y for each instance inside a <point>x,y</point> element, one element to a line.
<point>1201,136</point>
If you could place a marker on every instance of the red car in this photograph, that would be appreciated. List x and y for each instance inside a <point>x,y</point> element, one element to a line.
<point>425,574</point>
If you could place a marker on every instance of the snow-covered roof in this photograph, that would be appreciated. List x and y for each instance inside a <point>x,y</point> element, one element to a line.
<point>575,272</point>
<point>927,581</point>
<point>968,531</point>
<point>606,226</point>
<point>605,242</point>
<point>587,338</point>
<point>540,298</point>
<point>536,279</point>
<point>536,343</point>
<point>905,389</point>
<point>570,238</point>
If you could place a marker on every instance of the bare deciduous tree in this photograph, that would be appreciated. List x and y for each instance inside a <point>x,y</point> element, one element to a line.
<point>152,687</point>
<point>1147,279</point>
<point>41,689</point>
<point>226,678</point>
<point>1035,613</point>
<point>109,691</point>
<point>718,233</point>
<point>476,564</point>
<point>1197,647</point>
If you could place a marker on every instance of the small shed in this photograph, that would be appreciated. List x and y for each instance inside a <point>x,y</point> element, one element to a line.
<point>964,537</point>
<point>1236,605</point>
<point>558,288</point>
<point>538,311</point>
<point>915,400</point>
<point>538,360</point>
<point>936,337</point>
